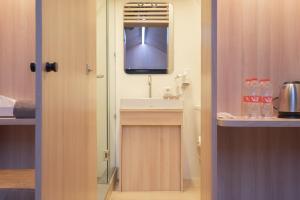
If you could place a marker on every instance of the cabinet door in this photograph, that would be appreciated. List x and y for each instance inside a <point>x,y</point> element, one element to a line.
<point>66,109</point>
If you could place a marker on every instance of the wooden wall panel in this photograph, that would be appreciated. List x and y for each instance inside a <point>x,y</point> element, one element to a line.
<point>17,147</point>
<point>259,163</point>
<point>17,48</point>
<point>256,38</point>
<point>17,51</point>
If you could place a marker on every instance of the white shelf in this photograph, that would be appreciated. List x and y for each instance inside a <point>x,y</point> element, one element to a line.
<point>273,122</point>
<point>14,121</point>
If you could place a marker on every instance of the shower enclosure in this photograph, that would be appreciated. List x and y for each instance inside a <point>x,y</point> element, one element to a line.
<point>106,96</point>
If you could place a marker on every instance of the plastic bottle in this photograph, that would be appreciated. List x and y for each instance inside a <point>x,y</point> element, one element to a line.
<point>254,106</point>
<point>246,98</point>
<point>167,93</point>
<point>266,99</point>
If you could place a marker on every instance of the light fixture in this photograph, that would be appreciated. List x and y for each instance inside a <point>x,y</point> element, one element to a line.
<point>143,35</point>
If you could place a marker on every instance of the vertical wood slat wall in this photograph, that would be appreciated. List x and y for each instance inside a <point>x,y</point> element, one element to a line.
<point>17,144</point>
<point>17,48</point>
<point>257,38</point>
<point>17,51</point>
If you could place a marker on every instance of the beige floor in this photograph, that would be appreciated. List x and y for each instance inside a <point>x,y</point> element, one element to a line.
<point>188,194</point>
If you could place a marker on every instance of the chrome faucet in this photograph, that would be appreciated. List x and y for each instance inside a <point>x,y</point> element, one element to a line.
<point>150,85</point>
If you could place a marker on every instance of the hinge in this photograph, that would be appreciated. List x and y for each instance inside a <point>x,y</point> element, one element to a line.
<point>106,154</point>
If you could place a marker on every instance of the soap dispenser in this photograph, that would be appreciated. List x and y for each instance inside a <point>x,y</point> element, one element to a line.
<point>185,79</point>
<point>167,93</point>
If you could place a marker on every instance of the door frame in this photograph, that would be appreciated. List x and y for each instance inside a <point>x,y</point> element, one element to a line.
<point>38,99</point>
<point>209,142</point>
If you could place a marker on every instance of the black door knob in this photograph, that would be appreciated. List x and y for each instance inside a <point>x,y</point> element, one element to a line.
<point>32,67</point>
<point>51,67</point>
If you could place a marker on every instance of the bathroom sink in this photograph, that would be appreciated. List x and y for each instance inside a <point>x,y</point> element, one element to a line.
<point>152,103</point>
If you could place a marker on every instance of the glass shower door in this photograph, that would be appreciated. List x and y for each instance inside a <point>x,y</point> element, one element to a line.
<point>106,97</point>
<point>111,72</point>
<point>102,94</point>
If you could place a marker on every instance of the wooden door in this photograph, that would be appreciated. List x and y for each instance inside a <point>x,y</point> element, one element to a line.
<point>67,36</point>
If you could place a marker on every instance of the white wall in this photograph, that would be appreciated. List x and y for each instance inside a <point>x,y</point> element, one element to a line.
<point>187,55</point>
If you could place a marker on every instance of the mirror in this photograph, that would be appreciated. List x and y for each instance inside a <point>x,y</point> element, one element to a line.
<point>148,38</point>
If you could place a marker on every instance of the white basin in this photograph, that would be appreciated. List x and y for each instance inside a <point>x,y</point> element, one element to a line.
<point>6,106</point>
<point>151,104</point>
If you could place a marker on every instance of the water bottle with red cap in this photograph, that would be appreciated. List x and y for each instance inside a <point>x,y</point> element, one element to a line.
<point>266,98</point>
<point>251,98</point>
<point>246,97</point>
<point>255,99</point>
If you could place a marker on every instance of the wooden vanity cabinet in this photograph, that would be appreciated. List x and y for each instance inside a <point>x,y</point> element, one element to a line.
<point>254,159</point>
<point>151,145</point>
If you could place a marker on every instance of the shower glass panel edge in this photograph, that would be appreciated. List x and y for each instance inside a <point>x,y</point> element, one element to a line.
<point>106,110</point>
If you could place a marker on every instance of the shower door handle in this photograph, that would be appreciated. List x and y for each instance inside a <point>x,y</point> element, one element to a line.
<point>100,76</point>
<point>106,155</point>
